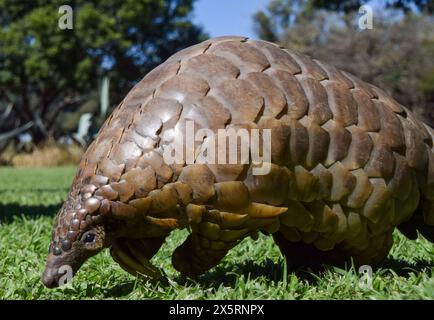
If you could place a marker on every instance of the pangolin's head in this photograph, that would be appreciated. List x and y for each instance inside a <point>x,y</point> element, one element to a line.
<point>79,233</point>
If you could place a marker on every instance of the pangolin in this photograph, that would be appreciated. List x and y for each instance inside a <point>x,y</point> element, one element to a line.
<point>348,164</point>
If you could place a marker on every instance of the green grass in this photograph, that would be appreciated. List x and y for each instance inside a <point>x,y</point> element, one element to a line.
<point>29,198</point>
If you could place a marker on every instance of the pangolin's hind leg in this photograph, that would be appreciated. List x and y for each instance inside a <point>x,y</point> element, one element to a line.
<point>300,254</point>
<point>133,256</point>
<point>195,255</point>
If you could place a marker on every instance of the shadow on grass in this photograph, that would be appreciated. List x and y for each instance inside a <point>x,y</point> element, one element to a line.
<point>10,211</point>
<point>228,275</point>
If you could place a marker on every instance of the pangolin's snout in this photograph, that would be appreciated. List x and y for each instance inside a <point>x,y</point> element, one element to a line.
<point>57,272</point>
<point>50,278</point>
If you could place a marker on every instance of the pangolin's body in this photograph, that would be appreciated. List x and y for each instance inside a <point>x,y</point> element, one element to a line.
<point>349,164</point>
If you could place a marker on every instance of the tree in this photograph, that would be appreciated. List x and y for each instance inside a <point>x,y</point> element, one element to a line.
<point>46,70</point>
<point>395,55</point>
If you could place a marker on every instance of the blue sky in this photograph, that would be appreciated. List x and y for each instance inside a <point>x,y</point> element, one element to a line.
<point>227,17</point>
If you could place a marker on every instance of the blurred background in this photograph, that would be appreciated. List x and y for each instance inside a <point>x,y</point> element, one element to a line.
<point>57,86</point>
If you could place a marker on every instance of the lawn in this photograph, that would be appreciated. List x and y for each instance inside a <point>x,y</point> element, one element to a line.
<point>29,198</point>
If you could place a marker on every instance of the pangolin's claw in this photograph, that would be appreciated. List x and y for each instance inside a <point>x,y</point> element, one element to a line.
<point>133,256</point>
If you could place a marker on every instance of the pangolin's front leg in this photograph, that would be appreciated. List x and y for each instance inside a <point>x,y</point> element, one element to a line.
<point>133,256</point>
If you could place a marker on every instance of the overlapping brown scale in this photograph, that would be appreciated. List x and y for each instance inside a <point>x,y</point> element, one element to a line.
<point>416,151</point>
<point>295,98</point>
<point>167,110</point>
<point>391,103</point>
<point>145,143</point>
<point>183,88</point>
<point>361,192</point>
<point>195,213</point>
<point>399,185</point>
<point>124,189</point>
<point>426,132</point>
<point>340,140</point>
<point>271,188</point>
<point>341,229</point>
<point>324,183</point>
<point>275,101</point>
<point>99,180</point>
<point>228,172</point>
<point>163,200</point>
<point>319,110</point>
<point>319,141</point>
<point>190,52</point>
<point>297,216</point>
<point>140,181</point>
<point>110,169</point>
<point>123,211</point>
<point>244,108</point>
<point>152,80</point>
<point>325,219</point>
<point>360,84</point>
<point>359,150</point>
<point>379,201</point>
<point>278,58</point>
<point>100,149</point>
<point>105,207</point>
<point>155,165</point>
<point>342,103</point>
<point>212,68</point>
<point>381,163</point>
<point>143,205</point>
<point>128,153</point>
<point>87,172</point>
<point>231,196</point>
<point>298,142</point>
<point>386,221</point>
<point>214,113</point>
<point>344,182</point>
<point>241,54</point>
<point>147,125</point>
<point>308,66</point>
<point>92,205</point>
<point>334,74</point>
<point>356,223</point>
<point>368,113</point>
<point>200,179</point>
<point>406,204</point>
<point>184,192</point>
<point>391,128</point>
<point>304,185</point>
<point>280,135</point>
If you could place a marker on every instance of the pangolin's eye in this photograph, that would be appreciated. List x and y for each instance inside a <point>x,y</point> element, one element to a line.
<point>90,237</point>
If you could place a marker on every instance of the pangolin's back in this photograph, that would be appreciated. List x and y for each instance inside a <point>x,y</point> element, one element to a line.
<point>348,162</point>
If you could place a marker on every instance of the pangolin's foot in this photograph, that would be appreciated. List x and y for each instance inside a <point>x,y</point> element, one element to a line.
<point>133,256</point>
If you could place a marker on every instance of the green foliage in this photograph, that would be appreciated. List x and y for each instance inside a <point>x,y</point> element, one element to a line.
<point>45,70</point>
<point>29,198</point>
